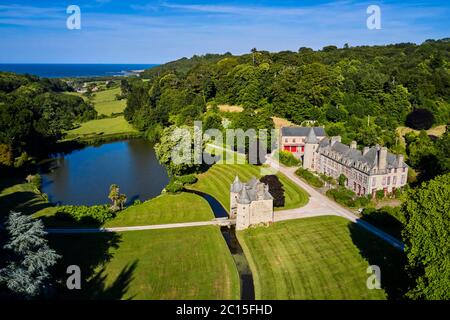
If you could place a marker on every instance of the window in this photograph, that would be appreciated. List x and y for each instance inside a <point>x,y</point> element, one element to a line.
<point>394,180</point>
<point>286,140</point>
<point>395,170</point>
<point>403,179</point>
<point>293,140</point>
<point>389,181</point>
<point>404,169</point>
<point>384,181</point>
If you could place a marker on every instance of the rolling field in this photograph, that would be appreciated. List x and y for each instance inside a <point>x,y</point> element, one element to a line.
<point>104,127</point>
<point>216,182</point>
<point>187,263</point>
<point>319,258</point>
<point>167,208</point>
<point>105,102</point>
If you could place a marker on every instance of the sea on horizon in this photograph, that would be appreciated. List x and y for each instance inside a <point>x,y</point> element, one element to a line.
<point>74,70</point>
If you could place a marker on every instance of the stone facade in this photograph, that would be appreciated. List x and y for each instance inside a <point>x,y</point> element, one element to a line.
<point>250,203</point>
<point>367,171</point>
<point>293,139</point>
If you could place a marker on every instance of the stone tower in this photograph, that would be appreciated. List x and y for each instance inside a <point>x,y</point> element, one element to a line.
<point>311,144</point>
<point>236,187</point>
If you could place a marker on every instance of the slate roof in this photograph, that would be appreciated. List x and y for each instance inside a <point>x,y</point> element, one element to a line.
<point>354,157</point>
<point>302,131</point>
<point>248,192</point>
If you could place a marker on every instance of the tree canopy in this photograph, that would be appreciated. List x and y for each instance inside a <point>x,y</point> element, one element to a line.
<point>426,234</point>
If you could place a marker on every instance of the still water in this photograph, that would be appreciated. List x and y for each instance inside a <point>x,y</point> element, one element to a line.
<point>83,177</point>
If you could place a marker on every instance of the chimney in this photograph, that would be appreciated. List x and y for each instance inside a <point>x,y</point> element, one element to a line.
<point>382,158</point>
<point>365,150</point>
<point>400,159</point>
<point>335,139</point>
<point>353,145</point>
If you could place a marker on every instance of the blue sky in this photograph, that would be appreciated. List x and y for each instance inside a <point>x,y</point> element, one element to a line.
<point>146,31</point>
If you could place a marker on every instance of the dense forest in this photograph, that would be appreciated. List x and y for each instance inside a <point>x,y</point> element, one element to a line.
<point>361,93</point>
<point>34,113</point>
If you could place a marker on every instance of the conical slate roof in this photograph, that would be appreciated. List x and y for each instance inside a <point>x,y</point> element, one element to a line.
<point>311,138</point>
<point>243,197</point>
<point>236,186</point>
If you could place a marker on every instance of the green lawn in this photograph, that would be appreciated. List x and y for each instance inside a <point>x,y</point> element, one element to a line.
<point>187,263</point>
<point>167,208</point>
<point>216,182</point>
<point>320,258</point>
<point>105,102</point>
<point>102,127</point>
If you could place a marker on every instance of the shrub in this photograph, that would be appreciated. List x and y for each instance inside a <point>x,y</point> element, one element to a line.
<point>362,202</point>
<point>84,214</point>
<point>187,179</point>
<point>174,186</point>
<point>288,159</point>
<point>35,181</point>
<point>342,179</point>
<point>379,194</point>
<point>420,119</point>
<point>326,178</point>
<point>343,196</point>
<point>310,177</point>
<point>275,189</point>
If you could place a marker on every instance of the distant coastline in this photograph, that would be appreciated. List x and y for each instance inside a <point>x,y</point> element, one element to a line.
<point>76,70</point>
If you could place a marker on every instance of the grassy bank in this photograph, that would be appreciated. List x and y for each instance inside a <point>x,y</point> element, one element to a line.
<point>320,258</point>
<point>167,208</point>
<point>187,263</point>
<point>164,209</point>
<point>17,195</point>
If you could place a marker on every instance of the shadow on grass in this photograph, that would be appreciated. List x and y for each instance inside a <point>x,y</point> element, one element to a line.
<point>392,262</point>
<point>385,221</point>
<point>26,202</point>
<point>91,252</point>
<point>64,220</point>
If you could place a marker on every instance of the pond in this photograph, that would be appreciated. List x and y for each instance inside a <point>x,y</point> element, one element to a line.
<point>83,177</point>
